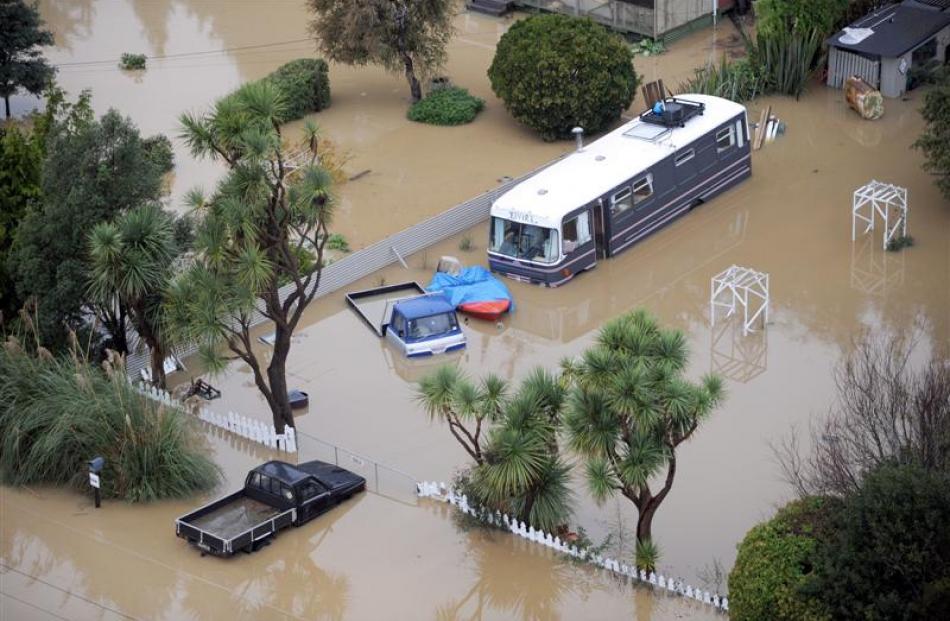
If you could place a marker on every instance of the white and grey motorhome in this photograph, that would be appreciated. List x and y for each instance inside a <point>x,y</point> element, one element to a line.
<point>601,199</point>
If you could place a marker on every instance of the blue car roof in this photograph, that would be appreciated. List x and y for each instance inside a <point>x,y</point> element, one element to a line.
<point>424,306</point>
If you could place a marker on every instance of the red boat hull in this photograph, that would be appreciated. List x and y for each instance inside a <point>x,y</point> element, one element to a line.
<point>489,311</point>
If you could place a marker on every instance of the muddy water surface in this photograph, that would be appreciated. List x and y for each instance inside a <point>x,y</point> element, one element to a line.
<point>370,558</point>
<point>792,219</point>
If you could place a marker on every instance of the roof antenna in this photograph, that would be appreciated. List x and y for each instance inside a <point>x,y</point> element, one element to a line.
<point>579,137</point>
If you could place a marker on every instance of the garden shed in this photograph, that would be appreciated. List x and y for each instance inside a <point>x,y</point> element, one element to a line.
<point>656,19</point>
<point>884,46</point>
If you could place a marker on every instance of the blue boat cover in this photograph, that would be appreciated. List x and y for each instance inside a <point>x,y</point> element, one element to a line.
<point>473,284</point>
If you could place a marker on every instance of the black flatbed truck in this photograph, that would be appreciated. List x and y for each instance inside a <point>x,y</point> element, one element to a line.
<point>275,495</point>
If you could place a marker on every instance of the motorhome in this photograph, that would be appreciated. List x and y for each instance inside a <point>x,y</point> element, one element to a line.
<point>607,195</point>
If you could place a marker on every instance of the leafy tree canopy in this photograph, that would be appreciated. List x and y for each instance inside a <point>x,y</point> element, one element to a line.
<point>21,63</point>
<point>556,72</point>
<point>399,35</point>
<point>889,557</point>
<point>803,17</point>
<point>94,170</point>
<point>935,140</point>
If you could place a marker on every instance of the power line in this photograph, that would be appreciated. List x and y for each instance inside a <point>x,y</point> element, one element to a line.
<point>186,54</point>
<point>67,592</point>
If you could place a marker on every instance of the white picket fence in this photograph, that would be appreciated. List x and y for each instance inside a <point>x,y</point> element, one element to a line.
<point>252,429</point>
<point>673,586</point>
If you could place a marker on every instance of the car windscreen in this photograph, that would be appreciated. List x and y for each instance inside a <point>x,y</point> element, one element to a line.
<point>433,325</point>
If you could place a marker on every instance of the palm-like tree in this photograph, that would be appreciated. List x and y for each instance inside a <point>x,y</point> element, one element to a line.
<point>131,265</point>
<point>631,407</point>
<point>447,395</point>
<point>259,241</point>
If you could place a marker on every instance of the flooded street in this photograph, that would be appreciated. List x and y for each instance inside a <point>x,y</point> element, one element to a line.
<point>370,558</point>
<point>380,558</point>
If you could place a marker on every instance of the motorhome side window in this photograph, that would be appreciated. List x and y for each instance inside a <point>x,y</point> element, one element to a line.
<point>642,189</point>
<point>683,156</point>
<point>725,138</point>
<point>621,202</point>
<point>576,232</point>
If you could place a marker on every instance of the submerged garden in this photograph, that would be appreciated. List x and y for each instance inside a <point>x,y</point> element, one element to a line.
<point>92,260</point>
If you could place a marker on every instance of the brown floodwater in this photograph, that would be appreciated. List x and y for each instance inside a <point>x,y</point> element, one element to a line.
<point>378,556</point>
<point>370,558</point>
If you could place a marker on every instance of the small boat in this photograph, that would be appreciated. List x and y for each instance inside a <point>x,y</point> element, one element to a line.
<point>490,310</point>
<point>472,290</point>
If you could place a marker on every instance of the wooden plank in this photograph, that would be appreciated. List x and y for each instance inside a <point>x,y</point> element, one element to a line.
<point>760,128</point>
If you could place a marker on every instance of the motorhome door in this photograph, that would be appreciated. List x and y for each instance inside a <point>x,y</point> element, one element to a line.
<point>600,235</point>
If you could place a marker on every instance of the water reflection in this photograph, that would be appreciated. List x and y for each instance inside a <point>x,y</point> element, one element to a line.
<point>737,356</point>
<point>875,271</point>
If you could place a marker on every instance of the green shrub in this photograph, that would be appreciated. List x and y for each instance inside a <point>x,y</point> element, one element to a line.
<point>304,84</point>
<point>555,72</point>
<point>160,151</point>
<point>648,47</point>
<point>934,141</point>
<point>132,61</point>
<point>889,557</point>
<point>338,242</point>
<point>446,106</point>
<point>647,555</point>
<point>775,559</point>
<point>56,414</point>
<point>799,16</point>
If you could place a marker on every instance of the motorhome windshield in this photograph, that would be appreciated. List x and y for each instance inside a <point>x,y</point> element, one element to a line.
<point>433,325</point>
<point>524,241</point>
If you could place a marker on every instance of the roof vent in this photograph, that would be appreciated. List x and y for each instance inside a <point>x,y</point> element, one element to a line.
<point>600,158</point>
<point>542,191</point>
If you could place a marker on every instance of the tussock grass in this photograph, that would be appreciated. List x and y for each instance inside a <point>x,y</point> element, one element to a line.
<point>57,413</point>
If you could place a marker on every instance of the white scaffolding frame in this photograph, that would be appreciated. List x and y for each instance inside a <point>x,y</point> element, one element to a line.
<point>741,286</point>
<point>886,201</point>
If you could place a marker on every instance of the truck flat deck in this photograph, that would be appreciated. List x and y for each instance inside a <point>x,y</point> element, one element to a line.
<point>375,305</point>
<point>235,518</point>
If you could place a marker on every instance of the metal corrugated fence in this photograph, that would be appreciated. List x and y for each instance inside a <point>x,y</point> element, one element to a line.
<point>373,258</point>
<point>842,65</point>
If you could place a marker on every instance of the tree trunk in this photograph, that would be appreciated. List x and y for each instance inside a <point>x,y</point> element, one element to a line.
<point>414,87</point>
<point>157,357</point>
<point>6,100</point>
<point>277,379</point>
<point>645,521</point>
<point>528,505</point>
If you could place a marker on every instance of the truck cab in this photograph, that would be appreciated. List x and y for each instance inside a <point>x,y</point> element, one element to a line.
<point>424,326</point>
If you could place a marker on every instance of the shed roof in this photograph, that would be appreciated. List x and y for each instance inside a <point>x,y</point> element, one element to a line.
<point>896,29</point>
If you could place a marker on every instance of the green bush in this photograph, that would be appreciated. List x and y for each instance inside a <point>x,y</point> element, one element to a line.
<point>802,17</point>
<point>889,557</point>
<point>446,106</point>
<point>934,141</point>
<point>304,84</point>
<point>555,72</point>
<point>56,414</point>
<point>775,559</point>
<point>132,61</point>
